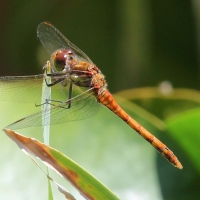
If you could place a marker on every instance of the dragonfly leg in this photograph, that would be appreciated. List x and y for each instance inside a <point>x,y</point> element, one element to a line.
<point>54,74</point>
<point>60,106</point>
<point>70,94</point>
<point>47,101</point>
<point>54,83</point>
<point>63,102</point>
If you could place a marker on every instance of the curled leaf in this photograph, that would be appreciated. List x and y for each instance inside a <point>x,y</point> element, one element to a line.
<point>87,185</point>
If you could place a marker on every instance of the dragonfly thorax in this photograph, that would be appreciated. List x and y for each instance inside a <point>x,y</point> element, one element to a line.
<point>81,72</point>
<point>85,74</point>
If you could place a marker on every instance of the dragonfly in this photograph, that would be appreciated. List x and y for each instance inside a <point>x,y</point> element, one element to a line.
<point>78,89</point>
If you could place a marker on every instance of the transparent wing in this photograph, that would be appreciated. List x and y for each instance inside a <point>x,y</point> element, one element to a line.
<point>52,39</point>
<point>82,107</point>
<point>28,89</point>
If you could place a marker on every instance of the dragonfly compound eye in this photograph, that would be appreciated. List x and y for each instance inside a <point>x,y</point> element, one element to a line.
<point>61,58</point>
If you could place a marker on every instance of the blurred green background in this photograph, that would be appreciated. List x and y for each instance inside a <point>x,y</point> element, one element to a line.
<point>139,43</point>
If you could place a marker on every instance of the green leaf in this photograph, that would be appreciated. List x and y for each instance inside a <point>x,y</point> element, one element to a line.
<point>87,185</point>
<point>185,129</point>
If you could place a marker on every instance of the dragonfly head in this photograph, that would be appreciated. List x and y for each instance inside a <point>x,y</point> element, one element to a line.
<point>62,59</point>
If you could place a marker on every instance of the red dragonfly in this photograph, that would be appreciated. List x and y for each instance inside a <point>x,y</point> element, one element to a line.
<point>78,87</point>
